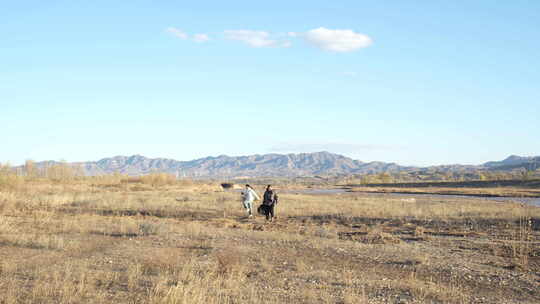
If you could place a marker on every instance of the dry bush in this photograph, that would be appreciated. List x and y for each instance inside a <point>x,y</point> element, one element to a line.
<point>140,188</point>
<point>152,228</point>
<point>424,290</point>
<point>521,243</point>
<point>419,231</point>
<point>326,232</point>
<point>38,241</point>
<point>196,283</point>
<point>122,226</point>
<point>230,261</point>
<point>11,182</point>
<point>7,201</point>
<point>62,172</point>
<point>301,265</point>
<point>195,230</point>
<point>9,179</point>
<point>12,234</point>
<point>134,275</point>
<point>164,261</point>
<point>183,199</point>
<point>106,179</point>
<point>355,296</point>
<point>158,179</point>
<point>66,283</point>
<point>377,236</point>
<point>185,182</point>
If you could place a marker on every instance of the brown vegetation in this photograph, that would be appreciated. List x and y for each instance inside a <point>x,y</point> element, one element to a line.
<point>481,192</point>
<point>450,176</point>
<point>158,240</point>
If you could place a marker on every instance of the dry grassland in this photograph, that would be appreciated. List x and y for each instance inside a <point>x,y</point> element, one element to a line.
<point>471,191</point>
<point>97,241</point>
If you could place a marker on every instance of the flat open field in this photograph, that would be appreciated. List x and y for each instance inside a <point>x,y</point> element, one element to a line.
<point>479,192</point>
<point>505,188</point>
<point>82,242</point>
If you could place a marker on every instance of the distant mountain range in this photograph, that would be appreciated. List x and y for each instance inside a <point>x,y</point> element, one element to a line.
<point>277,165</point>
<point>515,162</point>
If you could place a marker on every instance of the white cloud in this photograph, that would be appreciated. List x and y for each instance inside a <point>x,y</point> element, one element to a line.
<point>177,33</point>
<point>257,39</point>
<point>200,38</point>
<point>323,38</point>
<point>337,40</point>
<point>183,35</point>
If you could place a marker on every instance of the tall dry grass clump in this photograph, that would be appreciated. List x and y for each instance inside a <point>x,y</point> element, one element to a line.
<point>9,179</point>
<point>521,241</point>
<point>156,179</point>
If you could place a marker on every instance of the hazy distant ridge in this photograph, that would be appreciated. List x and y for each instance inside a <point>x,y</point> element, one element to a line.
<point>285,165</point>
<point>303,164</point>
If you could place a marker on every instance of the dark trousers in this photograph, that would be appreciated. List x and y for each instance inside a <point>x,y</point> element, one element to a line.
<point>269,211</point>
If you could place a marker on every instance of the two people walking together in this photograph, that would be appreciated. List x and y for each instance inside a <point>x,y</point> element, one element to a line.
<point>270,200</point>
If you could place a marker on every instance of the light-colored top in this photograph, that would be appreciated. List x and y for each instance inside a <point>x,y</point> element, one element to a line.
<point>250,195</point>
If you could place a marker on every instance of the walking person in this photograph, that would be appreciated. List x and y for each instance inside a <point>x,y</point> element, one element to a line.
<point>270,200</point>
<point>248,197</point>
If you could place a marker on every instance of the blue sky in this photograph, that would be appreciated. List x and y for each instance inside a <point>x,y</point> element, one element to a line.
<point>413,82</point>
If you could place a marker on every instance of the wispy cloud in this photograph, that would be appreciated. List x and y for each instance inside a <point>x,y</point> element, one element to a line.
<point>178,33</point>
<point>256,39</point>
<point>332,40</point>
<point>337,40</point>
<point>200,38</point>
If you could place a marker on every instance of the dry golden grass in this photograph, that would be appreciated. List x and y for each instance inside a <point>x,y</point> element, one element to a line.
<point>108,239</point>
<point>481,192</point>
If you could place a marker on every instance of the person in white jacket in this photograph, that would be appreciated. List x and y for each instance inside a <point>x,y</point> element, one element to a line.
<point>249,196</point>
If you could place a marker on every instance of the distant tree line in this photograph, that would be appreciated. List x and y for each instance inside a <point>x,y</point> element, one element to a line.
<point>63,172</point>
<point>439,176</point>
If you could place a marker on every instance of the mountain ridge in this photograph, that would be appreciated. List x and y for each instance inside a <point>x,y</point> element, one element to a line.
<point>276,165</point>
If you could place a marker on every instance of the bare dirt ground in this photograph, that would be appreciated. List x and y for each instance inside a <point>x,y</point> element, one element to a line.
<point>130,243</point>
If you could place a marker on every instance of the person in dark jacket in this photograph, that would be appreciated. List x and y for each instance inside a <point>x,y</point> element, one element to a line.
<point>270,200</point>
